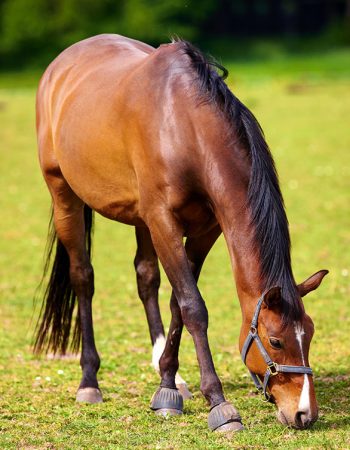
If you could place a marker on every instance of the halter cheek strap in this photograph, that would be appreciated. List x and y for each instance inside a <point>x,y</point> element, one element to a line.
<point>272,367</point>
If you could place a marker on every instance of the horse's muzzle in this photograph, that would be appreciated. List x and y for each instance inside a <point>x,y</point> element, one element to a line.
<point>301,420</point>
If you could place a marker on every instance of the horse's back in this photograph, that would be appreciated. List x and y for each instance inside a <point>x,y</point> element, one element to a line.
<point>78,121</point>
<point>94,65</point>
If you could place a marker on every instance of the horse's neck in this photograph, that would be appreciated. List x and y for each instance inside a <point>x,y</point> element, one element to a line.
<point>228,191</point>
<point>244,256</point>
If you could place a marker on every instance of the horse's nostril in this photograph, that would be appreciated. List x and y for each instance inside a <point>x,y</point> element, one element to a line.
<point>302,419</point>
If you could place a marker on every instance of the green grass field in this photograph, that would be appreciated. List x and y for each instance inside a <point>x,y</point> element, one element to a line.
<point>303,105</point>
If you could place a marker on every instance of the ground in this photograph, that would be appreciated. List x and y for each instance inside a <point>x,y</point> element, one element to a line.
<point>303,104</point>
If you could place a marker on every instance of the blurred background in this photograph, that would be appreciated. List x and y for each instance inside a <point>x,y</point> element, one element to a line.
<point>289,62</point>
<point>34,31</point>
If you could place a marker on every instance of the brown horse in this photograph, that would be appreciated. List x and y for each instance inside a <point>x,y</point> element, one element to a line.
<point>154,138</point>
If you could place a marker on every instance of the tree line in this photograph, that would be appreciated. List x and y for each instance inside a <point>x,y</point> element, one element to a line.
<point>35,30</point>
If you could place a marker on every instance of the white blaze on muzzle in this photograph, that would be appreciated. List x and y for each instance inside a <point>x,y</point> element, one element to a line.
<point>304,401</point>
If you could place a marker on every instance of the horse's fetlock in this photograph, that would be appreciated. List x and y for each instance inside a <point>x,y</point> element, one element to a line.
<point>210,386</point>
<point>90,360</point>
<point>168,364</point>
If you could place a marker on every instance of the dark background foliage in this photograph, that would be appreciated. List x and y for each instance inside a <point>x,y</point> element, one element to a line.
<point>33,31</point>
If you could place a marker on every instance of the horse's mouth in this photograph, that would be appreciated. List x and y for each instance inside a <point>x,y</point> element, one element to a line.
<point>294,424</point>
<point>282,418</point>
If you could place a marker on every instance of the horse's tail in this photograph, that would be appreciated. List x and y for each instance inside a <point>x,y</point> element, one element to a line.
<point>55,320</point>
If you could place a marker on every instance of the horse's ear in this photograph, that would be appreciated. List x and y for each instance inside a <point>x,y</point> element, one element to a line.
<point>311,283</point>
<point>273,297</point>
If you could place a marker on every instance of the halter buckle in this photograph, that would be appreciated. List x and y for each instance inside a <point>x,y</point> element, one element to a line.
<point>272,367</point>
<point>253,330</point>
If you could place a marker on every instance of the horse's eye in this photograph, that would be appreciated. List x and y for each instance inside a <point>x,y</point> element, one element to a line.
<point>275,343</point>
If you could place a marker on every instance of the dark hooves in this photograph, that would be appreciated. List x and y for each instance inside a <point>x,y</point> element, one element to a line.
<point>224,418</point>
<point>167,402</point>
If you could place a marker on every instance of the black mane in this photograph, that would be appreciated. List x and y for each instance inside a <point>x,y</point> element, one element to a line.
<point>264,195</point>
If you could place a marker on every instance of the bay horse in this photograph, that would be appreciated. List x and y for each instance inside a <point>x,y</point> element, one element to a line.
<point>155,139</point>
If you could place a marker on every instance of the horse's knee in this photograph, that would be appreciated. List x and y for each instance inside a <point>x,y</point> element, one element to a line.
<point>195,316</point>
<point>148,277</point>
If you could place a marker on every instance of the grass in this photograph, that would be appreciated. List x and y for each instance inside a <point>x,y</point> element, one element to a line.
<point>304,107</point>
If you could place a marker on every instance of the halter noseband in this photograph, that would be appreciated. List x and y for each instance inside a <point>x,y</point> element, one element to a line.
<point>272,367</point>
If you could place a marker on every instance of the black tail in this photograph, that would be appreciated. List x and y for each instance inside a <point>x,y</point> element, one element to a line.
<point>55,320</point>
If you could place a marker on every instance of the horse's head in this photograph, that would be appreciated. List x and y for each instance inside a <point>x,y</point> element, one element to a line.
<point>277,356</point>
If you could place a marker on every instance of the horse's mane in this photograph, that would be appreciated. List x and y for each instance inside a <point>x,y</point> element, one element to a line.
<point>264,195</point>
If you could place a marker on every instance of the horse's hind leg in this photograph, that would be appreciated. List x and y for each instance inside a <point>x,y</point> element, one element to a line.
<point>70,228</point>
<point>148,281</point>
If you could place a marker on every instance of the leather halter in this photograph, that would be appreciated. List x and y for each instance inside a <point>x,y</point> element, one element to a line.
<point>272,367</point>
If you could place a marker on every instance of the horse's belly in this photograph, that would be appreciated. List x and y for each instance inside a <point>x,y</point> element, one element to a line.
<point>123,210</point>
<point>90,148</point>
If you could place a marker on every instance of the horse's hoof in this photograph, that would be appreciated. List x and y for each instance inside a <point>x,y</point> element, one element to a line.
<point>167,402</point>
<point>230,427</point>
<point>224,417</point>
<point>89,395</point>
<point>166,412</point>
<point>183,389</point>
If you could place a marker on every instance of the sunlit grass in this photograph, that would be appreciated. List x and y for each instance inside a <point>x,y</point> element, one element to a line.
<point>305,112</point>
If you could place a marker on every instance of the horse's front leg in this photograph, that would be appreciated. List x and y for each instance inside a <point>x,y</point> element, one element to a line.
<point>148,281</point>
<point>197,250</point>
<point>167,239</point>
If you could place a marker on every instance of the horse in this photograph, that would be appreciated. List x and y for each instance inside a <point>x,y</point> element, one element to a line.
<point>154,138</point>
